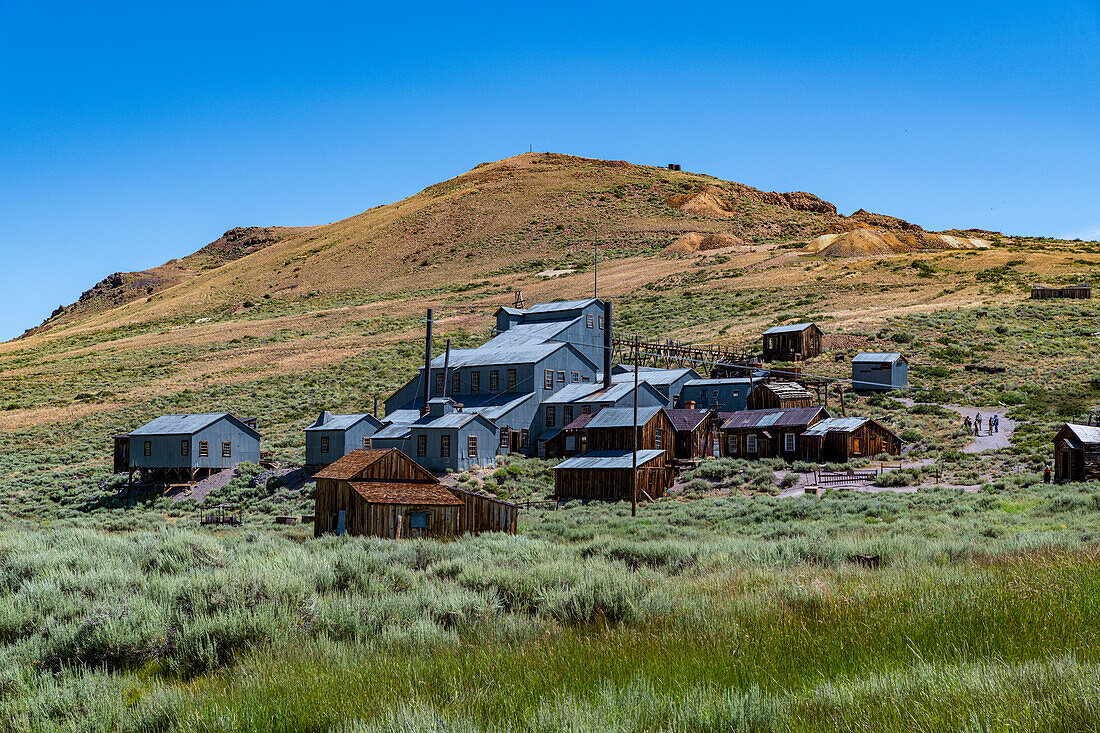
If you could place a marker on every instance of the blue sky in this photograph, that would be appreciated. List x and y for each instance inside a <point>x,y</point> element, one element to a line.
<point>132,133</point>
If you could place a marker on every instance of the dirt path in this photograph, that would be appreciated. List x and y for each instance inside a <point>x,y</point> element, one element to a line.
<point>985,441</point>
<point>199,491</point>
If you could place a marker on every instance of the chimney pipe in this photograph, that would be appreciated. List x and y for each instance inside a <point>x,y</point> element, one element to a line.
<point>375,413</point>
<point>428,362</point>
<point>447,369</point>
<point>607,345</point>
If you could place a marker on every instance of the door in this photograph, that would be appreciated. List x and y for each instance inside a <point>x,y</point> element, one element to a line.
<point>341,522</point>
<point>515,441</point>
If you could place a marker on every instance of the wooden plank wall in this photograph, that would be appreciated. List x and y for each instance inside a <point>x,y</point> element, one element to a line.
<point>622,439</point>
<point>377,520</point>
<point>485,514</point>
<point>612,484</point>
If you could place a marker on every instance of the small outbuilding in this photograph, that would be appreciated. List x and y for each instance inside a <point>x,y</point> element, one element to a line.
<point>1077,453</point>
<point>334,436</point>
<point>609,476</point>
<point>841,439</point>
<point>780,395</point>
<point>613,428</point>
<point>186,448</point>
<point>695,433</point>
<point>796,342</point>
<point>754,434</point>
<point>879,371</point>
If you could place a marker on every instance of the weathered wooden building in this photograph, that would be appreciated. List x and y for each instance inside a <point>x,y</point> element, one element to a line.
<point>384,493</point>
<point>841,439</point>
<point>1077,453</point>
<point>609,476</point>
<point>879,371</point>
<point>724,395</point>
<point>753,434</point>
<point>186,448</point>
<point>613,429</point>
<point>780,395</point>
<point>575,400</point>
<point>795,342</point>
<point>696,431</point>
<point>1044,292</point>
<point>334,436</point>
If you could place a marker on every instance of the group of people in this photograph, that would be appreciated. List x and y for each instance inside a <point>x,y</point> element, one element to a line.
<point>993,423</point>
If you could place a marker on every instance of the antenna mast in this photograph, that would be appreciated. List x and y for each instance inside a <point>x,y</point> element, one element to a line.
<point>596,266</point>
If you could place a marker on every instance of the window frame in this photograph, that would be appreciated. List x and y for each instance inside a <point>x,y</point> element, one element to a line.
<point>421,446</point>
<point>444,446</point>
<point>185,448</point>
<point>586,409</point>
<point>566,415</point>
<point>475,382</point>
<point>590,321</point>
<point>752,445</point>
<point>440,383</point>
<point>204,449</point>
<point>576,377</point>
<point>471,446</point>
<point>368,442</point>
<point>525,438</point>
<point>505,437</point>
<point>733,444</point>
<point>456,382</point>
<point>415,520</point>
<point>548,379</point>
<point>511,380</point>
<point>789,444</point>
<point>561,377</point>
<point>550,416</point>
<point>324,444</point>
<point>601,323</point>
<point>659,439</point>
<point>227,449</point>
<point>494,381</point>
<point>148,449</point>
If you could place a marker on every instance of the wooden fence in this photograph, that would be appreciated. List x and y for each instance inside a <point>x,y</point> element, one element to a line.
<point>825,479</point>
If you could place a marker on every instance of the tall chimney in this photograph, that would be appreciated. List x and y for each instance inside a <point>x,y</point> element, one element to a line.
<point>447,369</point>
<point>607,345</point>
<point>428,361</point>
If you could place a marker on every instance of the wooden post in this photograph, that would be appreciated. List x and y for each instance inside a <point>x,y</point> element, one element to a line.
<point>400,526</point>
<point>634,439</point>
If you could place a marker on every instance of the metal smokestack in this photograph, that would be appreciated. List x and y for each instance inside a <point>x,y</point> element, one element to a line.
<point>447,370</point>
<point>607,345</point>
<point>428,361</point>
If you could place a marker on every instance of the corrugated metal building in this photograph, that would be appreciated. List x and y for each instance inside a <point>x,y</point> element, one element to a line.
<point>840,439</point>
<point>185,448</point>
<point>723,395</point>
<point>879,371</point>
<point>450,439</point>
<point>582,399</point>
<point>334,436</point>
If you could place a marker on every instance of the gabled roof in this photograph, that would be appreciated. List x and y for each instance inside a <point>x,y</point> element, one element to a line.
<point>385,492</point>
<point>792,328</point>
<point>661,377</point>
<point>508,356</point>
<point>404,415</point>
<point>838,425</point>
<point>736,381</point>
<point>523,334</point>
<point>609,459</point>
<point>450,421</point>
<point>685,419</point>
<point>622,417</point>
<point>188,424</point>
<point>328,421</point>
<point>580,422</point>
<point>394,431</point>
<point>562,305</point>
<point>1085,433</point>
<point>795,417</point>
<point>352,464</point>
<point>876,357</point>
<point>495,406</point>
<point>594,393</point>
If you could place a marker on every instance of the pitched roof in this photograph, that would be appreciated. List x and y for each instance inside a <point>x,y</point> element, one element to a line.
<point>654,376</point>
<point>787,389</point>
<point>792,328</point>
<point>486,355</point>
<point>876,357</point>
<point>450,421</point>
<point>737,381</point>
<point>1085,433</point>
<point>352,464</point>
<point>609,459</point>
<point>328,421</point>
<point>580,422</point>
<point>523,334</point>
<point>393,431</point>
<point>562,305</point>
<point>838,425</point>
<point>796,416</point>
<point>495,406</point>
<point>685,419</point>
<point>186,424</point>
<point>622,417</point>
<point>594,392</point>
<point>383,492</point>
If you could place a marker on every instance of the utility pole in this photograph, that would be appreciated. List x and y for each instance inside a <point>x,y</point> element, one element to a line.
<point>596,266</point>
<point>634,442</point>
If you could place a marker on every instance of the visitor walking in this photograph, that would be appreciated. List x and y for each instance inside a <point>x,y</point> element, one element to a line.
<point>978,424</point>
<point>1046,475</point>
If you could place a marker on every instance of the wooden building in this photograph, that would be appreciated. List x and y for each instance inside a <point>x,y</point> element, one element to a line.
<point>879,371</point>
<point>1044,292</point>
<point>795,342</point>
<point>186,448</point>
<point>840,439</point>
<point>607,475</point>
<point>1077,453</point>
<point>779,395</point>
<point>384,493</point>
<point>695,433</point>
<point>334,436</point>
<point>754,434</point>
<point>612,429</point>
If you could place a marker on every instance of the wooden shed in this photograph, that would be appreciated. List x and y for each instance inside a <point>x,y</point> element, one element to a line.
<point>612,429</point>
<point>607,475</point>
<point>780,395</point>
<point>754,434</point>
<point>1077,453</point>
<point>1045,292</point>
<point>695,430</point>
<point>840,439</point>
<point>795,342</point>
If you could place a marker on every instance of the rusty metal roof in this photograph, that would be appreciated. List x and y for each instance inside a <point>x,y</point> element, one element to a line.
<point>837,425</point>
<point>622,417</point>
<point>685,419</point>
<point>775,417</point>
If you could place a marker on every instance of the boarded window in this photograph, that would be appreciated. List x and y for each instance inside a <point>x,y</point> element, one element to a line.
<point>733,442</point>
<point>445,446</point>
<point>148,447</point>
<point>505,437</point>
<point>471,446</point>
<point>456,382</point>
<point>586,409</point>
<point>475,382</point>
<point>561,377</point>
<point>788,442</point>
<point>227,450</point>
<point>422,445</point>
<point>750,443</point>
<point>418,520</point>
<point>576,377</point>
<point>590,320</point>
<point>439,384</point>
<point>204,449</point>
<point>566,415</point>
<point>366,443</point>
<point>524,438</point>
<point>601,321</point>
<point>324,445</point>
<point>548,379</point>
<point>494,381</point>
<point>551,416</point>
<point>511,380</point>
<point>659,439</point>
<point>185,447</point>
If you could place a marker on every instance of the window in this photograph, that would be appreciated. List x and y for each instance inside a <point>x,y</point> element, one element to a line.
<point>576,377</point>
<point>601,322</point>
<point>733,443</point>
<point>439,384</point>
<point>324,444</point>
<point>227,450</point>
<point>505,435</point>
<point>659,439</point>
<point>204,449</point>
<point>586,409</point>
<point>566,415</point>
<point>494,381</point>
<point>548,379</point>
<point>185,447</point>
<point>445,446</point>
<point>750,443</point>
<point>475,382</point>
<point>524,438</point>
<point>550,416</point>
<point>703,395</point>
<point>675,400</point>
<point>511,380</point>
<point>366,443</point>
<point>590,320</point>
<point>418,520</point>
<point>471,446</point>
<point>422,445</point>
<point>788,442</point>
<point>585,379</point>
<point>456,383</point>
<point>148,447</point>
<point>561,377</point>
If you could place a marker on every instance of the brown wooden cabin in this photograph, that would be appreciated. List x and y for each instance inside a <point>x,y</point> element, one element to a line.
<point>611,429</point>
<point>384,493</point>
<point>1044,292</point>
<point>607,475</point>
<point>572,439</point>
<point>840,439</point>
<point>755,434</point>
<point>1077,453</point>
<point>795,342</point>
<point>695,431</point>
<point>780,395</point>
